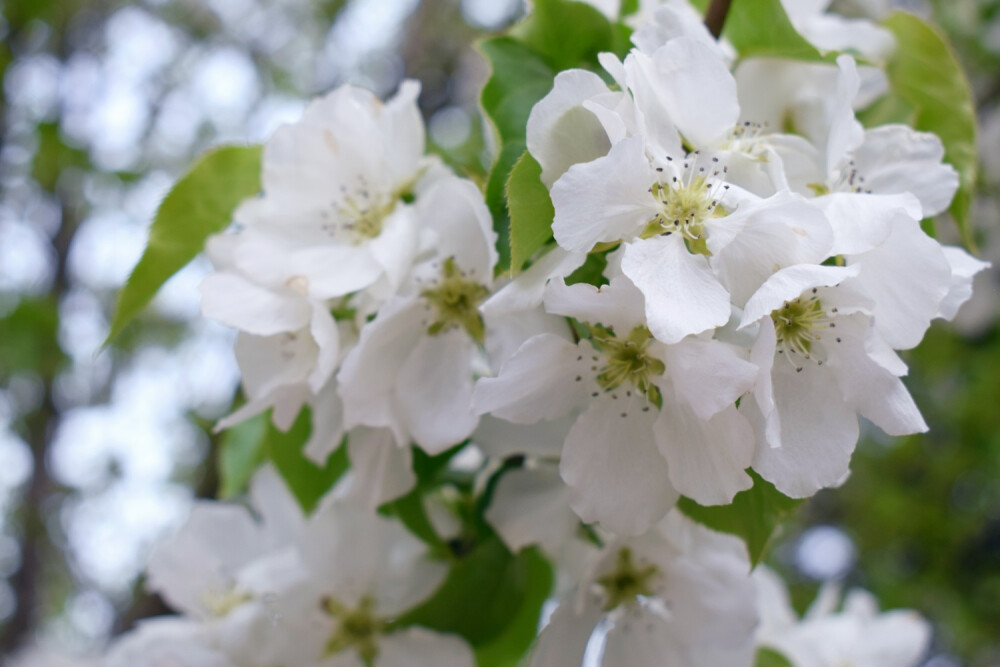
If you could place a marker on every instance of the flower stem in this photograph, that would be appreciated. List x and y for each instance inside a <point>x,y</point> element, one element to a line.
<point>715,17</point>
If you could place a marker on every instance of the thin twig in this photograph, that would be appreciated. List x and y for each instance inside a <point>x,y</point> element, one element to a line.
<point>715,17</point>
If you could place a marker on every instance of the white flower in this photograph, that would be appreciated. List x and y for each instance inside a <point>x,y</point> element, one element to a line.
<point>413,368</point>
<point>653,419</point>
<point>822,362</point>
<point>858,635</point>
<point>365,570</point>
<point>222,557</point>
<point>668,595</point>
<point>334,186</point>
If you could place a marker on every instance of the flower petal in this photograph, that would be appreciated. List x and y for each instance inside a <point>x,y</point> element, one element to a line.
<point>611,463</point>
<point>683,296</point>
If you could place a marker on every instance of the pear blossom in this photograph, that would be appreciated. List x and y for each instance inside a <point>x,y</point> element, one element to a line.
<point>822,362</point>
<point>335,186</point>
<point>222,557</point>
<point>365,570</point>
<point>678,594</point>
<point>857,635</point>
<point>413,368</point>
<point>652,420</point>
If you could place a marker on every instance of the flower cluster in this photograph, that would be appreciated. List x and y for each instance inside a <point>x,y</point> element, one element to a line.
<point>736,263</point>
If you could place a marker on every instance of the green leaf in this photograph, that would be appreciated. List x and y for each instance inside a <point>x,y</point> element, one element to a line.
<point>754,515</point>
<point>890,108</point>
<point>519,78</point>
<point>507,649</point>
<point>54,156</point>
<point>199,205</point>
<point>308,481</point>
<point>410,508</point>
<point>761,28</point>
<point>768,657</point>
<point>493,599</point>
<point>925,73</point>
<point>531,211</point>
<point>29,339</point>
<point>496,199</point>
<point>241,452</point>
<point>591,272</point>
<point>567,34</point>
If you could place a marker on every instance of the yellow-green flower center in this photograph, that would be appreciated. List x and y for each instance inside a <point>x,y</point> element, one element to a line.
<point>357,628</point>
<point>797,325</point>
<point>684,208</point>
<point>627,581</point>
<point>628,360</point>
<point>456,300</point>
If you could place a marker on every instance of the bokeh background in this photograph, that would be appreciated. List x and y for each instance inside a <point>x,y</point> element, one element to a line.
<point>104,103</point>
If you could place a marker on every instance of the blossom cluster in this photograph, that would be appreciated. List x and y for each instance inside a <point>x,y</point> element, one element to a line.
<point>736,263</point>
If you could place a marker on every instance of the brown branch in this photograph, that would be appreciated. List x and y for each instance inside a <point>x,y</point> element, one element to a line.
<point>715,17</point>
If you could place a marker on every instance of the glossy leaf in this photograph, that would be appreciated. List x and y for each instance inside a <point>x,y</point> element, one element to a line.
<point>754,515</point>
<point>531,211</point>
<point>493,599</point>
<point>199,205</point>
<point>241,451</point>
<point>566,34</point>
<point>308,481</point>
<point>762,29</point>
<point>767,657</point>
<point>925,73</point>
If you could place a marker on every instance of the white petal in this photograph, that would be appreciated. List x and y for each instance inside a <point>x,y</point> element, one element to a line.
<point>871,389</point>
<point>846,132</point>
<point>499,439</point>
<point>531,506</point>
<point>861,221</point>
<point>897,158</point>
<point>368,374</point>
<point>327,338</point>
<point>707,376</point>
<point>907,276</point>
<point>538,381</point>
<point>527,289</point>
<point>766,237</point>
<point>267,364</point>
<point>454,209</point>
<point>706,458</point>
<point>403,131</point>
<point>327,425</point>
<point>563,642</point>
<point>393,250</point>
<point>375,556</point>
<point>417,647</point>
<point>683,296</point>
<point>280,513</point>
<point>202,558</point>
<point>640,638</point>
<point>818,432</point>
<point>698,91</point>
<point>762,400</point>
<point>381,470</point>
<point>434,391</point>
<point>604,200</point>
<point>326,270</point>
<point>239,303</point>
<point>655,123</point>
<point>618,305</point>
<point>963,268</point>
<point>561,132</point>
<point>612,465</point>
